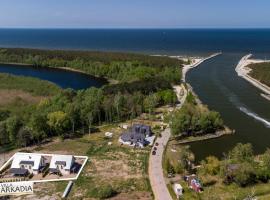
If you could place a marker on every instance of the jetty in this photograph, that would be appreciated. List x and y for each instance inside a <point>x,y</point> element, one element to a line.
<point>196,62</point>
<point>243,71</point>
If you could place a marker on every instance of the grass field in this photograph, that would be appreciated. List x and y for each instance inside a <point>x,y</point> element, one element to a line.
<point>261,72</point>
<point>34,86</point>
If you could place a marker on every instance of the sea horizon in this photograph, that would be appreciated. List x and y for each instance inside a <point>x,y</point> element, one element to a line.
<point>162,41</point>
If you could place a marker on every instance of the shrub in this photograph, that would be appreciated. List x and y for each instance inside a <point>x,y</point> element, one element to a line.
<point>103,192</point>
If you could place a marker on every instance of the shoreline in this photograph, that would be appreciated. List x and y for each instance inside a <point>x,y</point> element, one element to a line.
<point>196,62</point>
<point>243,70</point>
<point>108,80</point>
<point>218,134</point>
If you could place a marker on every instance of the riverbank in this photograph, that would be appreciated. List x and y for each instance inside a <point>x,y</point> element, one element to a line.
<point>221,133</point>
<point>194,63</point>
<point>105,79</point>
<point>243,71</point>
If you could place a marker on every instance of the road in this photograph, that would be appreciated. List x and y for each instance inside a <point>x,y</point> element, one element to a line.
<point>156,177</point>
<point>157,180</point>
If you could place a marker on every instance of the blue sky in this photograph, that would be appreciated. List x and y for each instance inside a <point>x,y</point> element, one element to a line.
<point>135,13</point>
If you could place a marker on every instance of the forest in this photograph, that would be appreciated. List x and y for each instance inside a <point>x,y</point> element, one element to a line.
<point>124,67</point>
<point>144,83</point>
<point>193,119</point>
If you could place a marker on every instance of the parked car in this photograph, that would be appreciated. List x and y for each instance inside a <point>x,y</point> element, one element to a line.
<point>154,153</point>
<point>155,148</point>
<point>156,144</point>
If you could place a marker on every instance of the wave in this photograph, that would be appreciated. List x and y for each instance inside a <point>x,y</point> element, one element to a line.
<point>255,116</point>
<point>233,98</point>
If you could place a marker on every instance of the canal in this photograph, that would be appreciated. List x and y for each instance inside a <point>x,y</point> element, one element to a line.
<point>240,104</point>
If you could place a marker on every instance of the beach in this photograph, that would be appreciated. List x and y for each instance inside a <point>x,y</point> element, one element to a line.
<point>243,71</point>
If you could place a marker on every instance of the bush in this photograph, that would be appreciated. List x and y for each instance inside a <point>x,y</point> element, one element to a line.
<point>168,167</point>
<point>103,192</point>
<point>210,166</point>
<point>245,174</point>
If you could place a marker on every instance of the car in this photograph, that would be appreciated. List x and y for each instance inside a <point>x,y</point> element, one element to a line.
<point>154,153</point>
<point>155,148</point>
<point>156,144</point>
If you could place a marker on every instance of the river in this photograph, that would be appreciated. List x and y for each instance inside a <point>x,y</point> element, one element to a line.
<point>240,104</point>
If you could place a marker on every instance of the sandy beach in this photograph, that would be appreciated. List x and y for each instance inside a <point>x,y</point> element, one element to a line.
<point>243,70</point>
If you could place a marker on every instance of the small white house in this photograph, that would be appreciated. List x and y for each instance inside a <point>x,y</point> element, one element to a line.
<point>26,163</point>
<point>62,164</point>
<point>178,189</point>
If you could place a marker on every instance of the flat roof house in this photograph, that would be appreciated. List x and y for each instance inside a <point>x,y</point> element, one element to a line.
<point>26,163</point>
<point>62,164</point>
<point>136,136</point>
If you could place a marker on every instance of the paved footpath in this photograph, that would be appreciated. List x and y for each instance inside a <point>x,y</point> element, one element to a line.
<point>156,177</point>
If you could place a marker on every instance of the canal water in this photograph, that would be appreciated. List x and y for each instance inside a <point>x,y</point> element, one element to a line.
<point>240,104</point>
<point>62,78</point>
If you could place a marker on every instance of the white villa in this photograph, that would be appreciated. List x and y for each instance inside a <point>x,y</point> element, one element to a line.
<point>26,163</point>
<point>62,164</point>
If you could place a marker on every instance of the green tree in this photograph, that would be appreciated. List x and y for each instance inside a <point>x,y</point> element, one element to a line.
<point>180,123</point>
<point>186,158</point>
<point>4,138</point>
<point>38,126</point>
<point>58,121</point>
<point>211,165</point>
<point>72,111</point>
<point>150,102</point>
<point>12,126</point>
<point>91,106</point>
<point>24,137</point>
<point>263,171</point>
<point>242,153</point>
<point>245,174</point>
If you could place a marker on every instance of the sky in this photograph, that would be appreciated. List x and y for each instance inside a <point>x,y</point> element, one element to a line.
<point>134,14</point>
